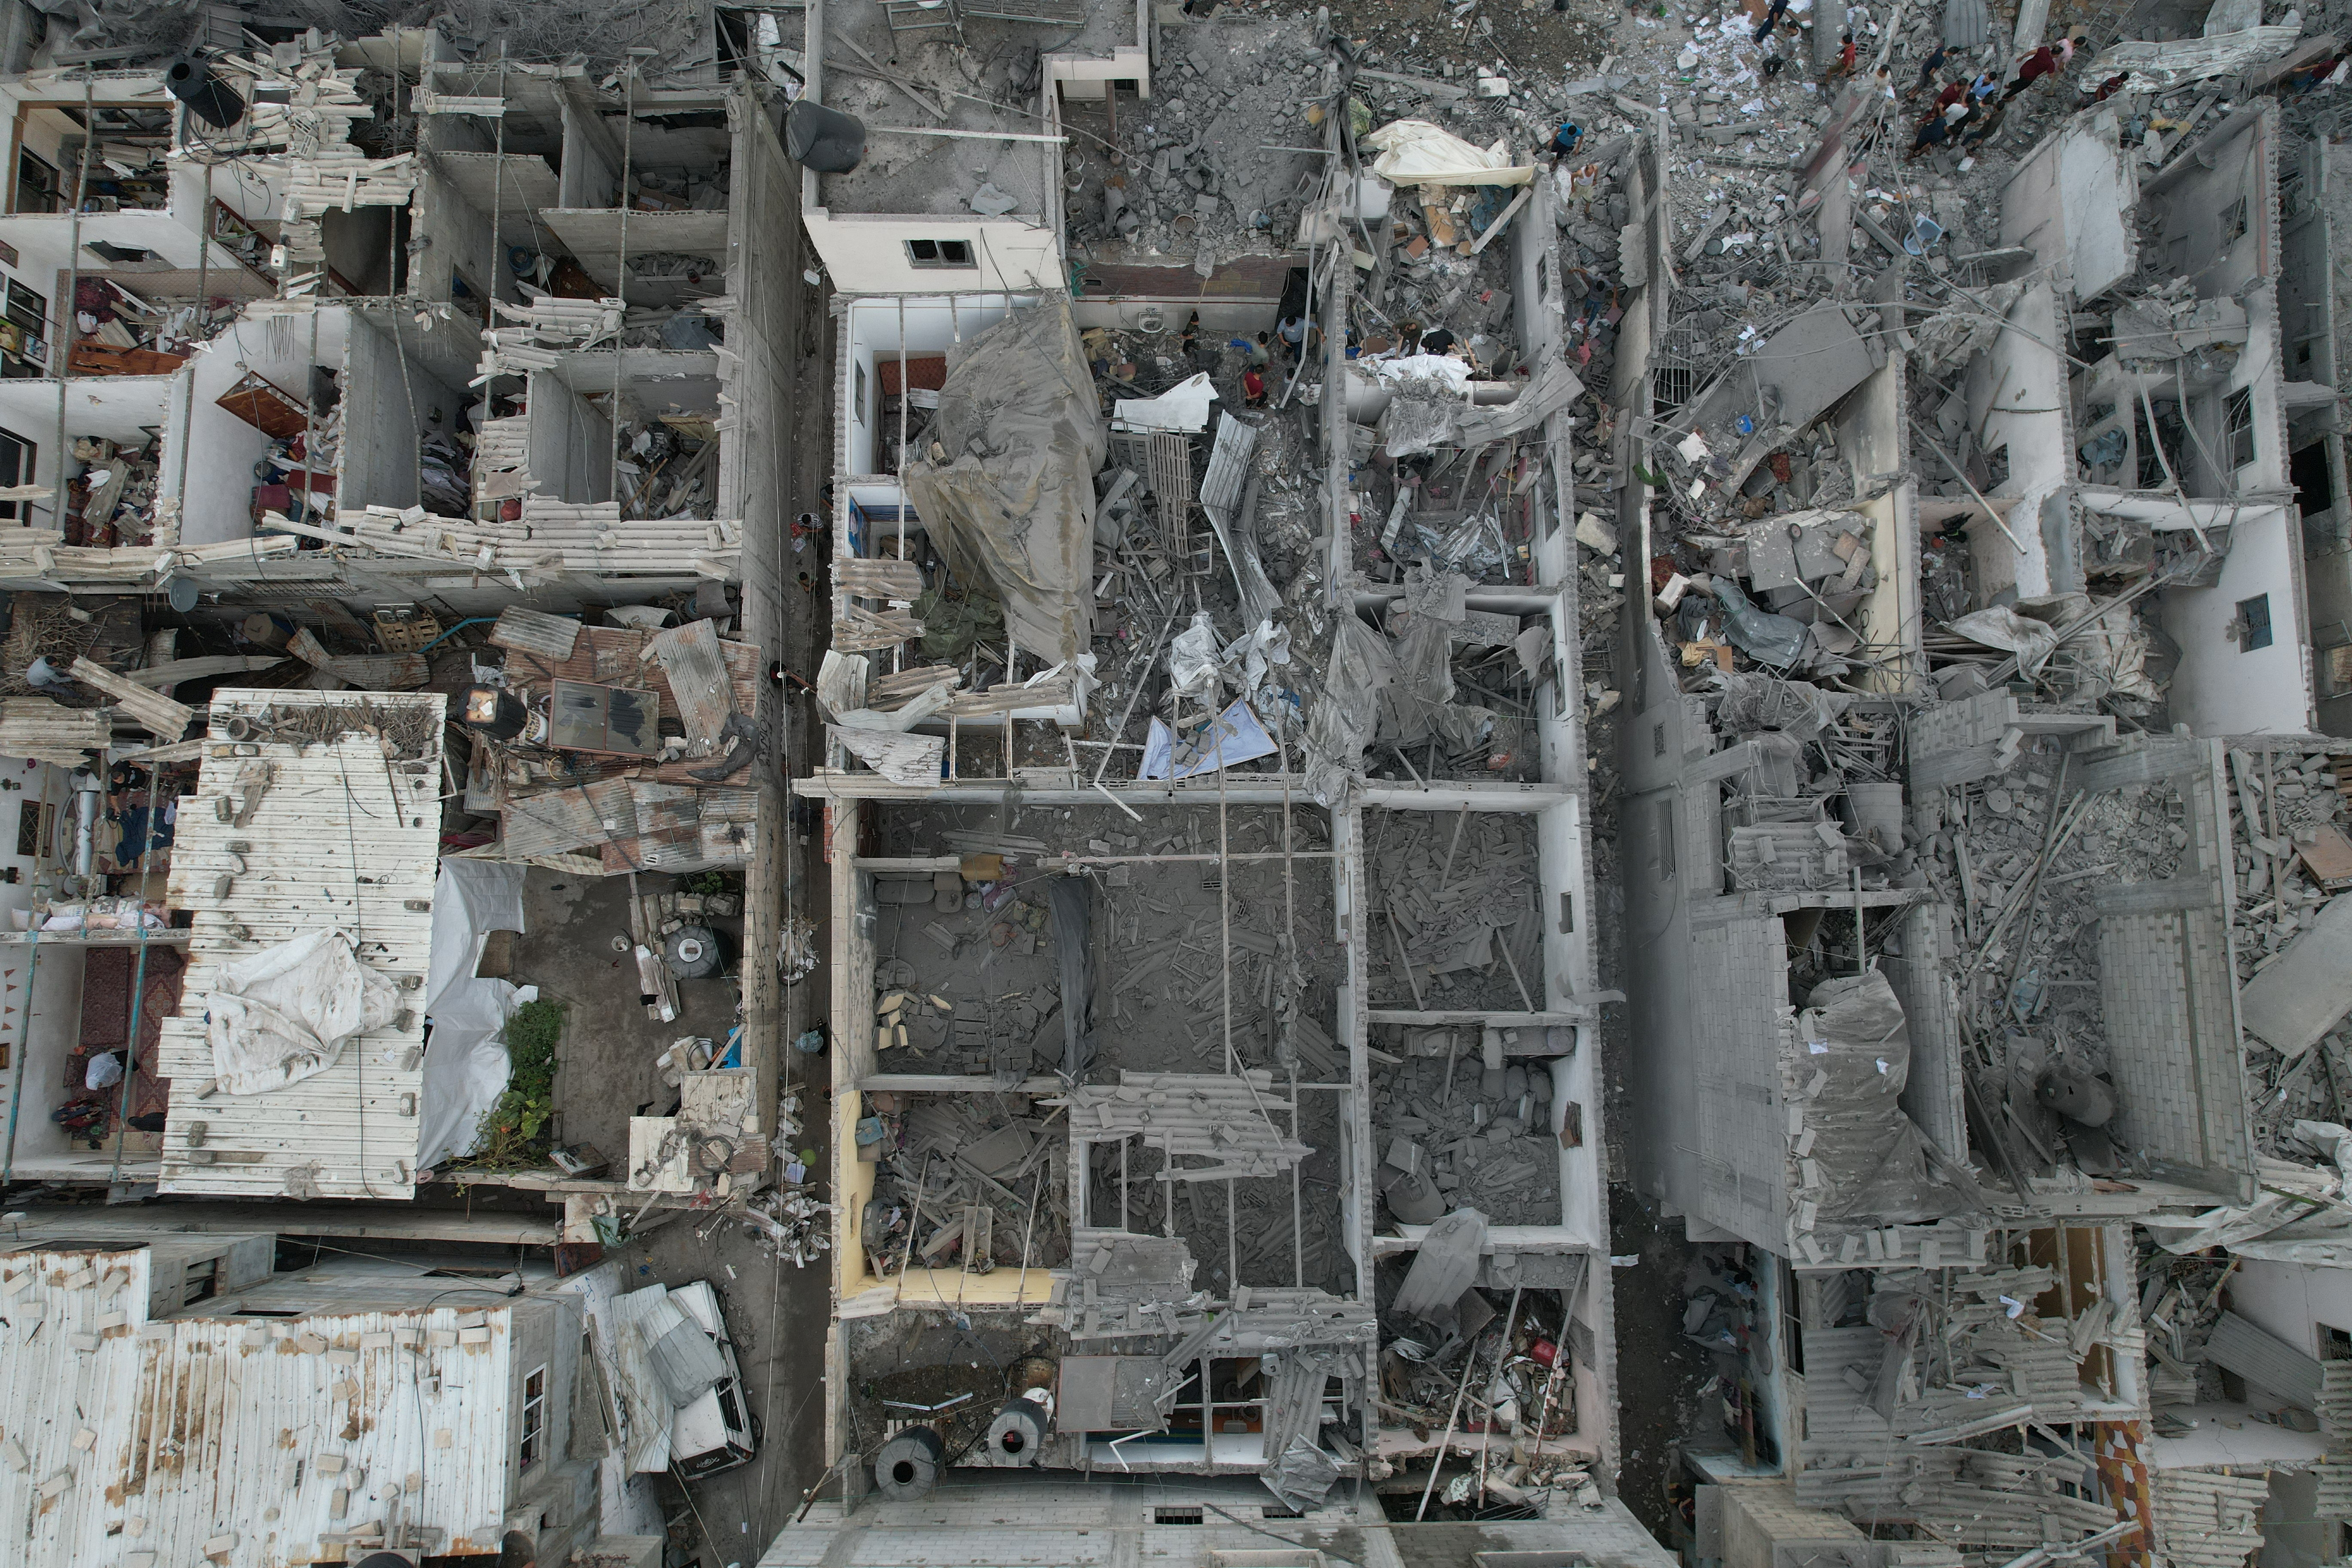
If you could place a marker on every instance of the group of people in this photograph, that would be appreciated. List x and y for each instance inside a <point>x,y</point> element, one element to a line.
<point>1966,110</point>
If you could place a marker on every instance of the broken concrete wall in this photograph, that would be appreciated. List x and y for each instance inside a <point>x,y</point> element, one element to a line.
<point>2316,320</point>
<point>2233,679</point>
<point>1871,437</point>
<point>2016,405</point>
<point>2167,986</point>
<point>2071,201</point>
<point>2213,209</point>
<point>863,229</point>
<point>392,399</point>
<point>571,442</point>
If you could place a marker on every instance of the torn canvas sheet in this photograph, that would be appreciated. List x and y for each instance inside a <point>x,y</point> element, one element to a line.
<point>466,1066</point>
<point>2004,628</point>
<point>1876,1166</point>
<point>1008,492</point>
<point>282,1015</point>
<point>1415,152</point>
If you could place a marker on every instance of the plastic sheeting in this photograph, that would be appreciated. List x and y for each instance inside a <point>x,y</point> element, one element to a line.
<point>1875,1162</point>
<point>1347,715</point>
<point>1416,153</point>
<point>285,1014</point>
<point>465,1065</point>
<point>1010,497</point>
<point>2004,628</point>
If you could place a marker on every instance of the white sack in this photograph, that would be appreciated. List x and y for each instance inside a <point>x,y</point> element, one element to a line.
<point>285,1014</point>
<point>1415,152</point>
<point>1184,406</point>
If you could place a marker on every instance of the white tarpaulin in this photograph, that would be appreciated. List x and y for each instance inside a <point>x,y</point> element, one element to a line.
<point>285,1014</point>
<point>464,1060</point>
<point>1182,408</point>
<point>1415,152</point>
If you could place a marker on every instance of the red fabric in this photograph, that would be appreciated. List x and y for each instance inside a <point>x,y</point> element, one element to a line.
<point>1951,95</point>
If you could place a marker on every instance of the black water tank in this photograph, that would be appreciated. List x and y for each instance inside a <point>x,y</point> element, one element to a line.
<point>823,139</point>
<point>208,97</point>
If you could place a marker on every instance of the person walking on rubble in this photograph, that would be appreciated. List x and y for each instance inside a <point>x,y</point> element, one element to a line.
<point>1928,72</point>
<point>2041,62</point>
<point>1844,64</point>
<point>1771,19</point>
<point>1988,121</point>
<point>1564,141</point>
<point>1936,129</point>
<point>1252,388</point>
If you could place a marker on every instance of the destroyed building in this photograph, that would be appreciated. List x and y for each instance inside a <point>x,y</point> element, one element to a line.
<point>1211,991</point>
<point>1979,789</point>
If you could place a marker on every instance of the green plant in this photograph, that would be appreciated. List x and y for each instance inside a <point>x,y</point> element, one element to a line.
<point>707,882</point>
<point>510,1137</point>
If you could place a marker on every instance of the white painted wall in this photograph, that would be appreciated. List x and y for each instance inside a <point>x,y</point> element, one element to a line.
<point>924,325</point>
<point>2022,371</point>
<point>2292,1299</point>
<point>868,252</point>
<point>2071,200</point>
<point>571,443</point>
<point>116,408</point>
<point>42,781</point>
<point>2218,690</point>
<point>224,448</point>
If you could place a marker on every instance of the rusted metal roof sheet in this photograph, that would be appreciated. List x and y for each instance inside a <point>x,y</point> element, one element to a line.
<point>343,835</point>
<point>698,679</point>
<point>567,818</point>
<point>249,1443</point>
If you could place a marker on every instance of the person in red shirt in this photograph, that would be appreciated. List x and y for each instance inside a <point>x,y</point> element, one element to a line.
<point>1844,65</point>
<point>2041,62</point>
<point>1252,388</point>
<point>1953,93</point>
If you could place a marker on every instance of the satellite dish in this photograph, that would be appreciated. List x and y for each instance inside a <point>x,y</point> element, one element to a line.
<point>181,595</point>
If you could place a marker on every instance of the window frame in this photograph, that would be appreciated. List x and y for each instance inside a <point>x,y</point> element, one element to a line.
<point>940,258</point>
<point>28,456</point>
<point>2238,426</point>
<point>533,1420</point>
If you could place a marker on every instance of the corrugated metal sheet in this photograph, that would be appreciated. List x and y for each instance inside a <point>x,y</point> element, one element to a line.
<point>152,711</point>
<point>536,632</point>
<point>343,836</point>
<point>2261,1357</point>
<point>560,819</point>
<point>200,1428</point>
<point>37,727</point>
<point>698,679</point>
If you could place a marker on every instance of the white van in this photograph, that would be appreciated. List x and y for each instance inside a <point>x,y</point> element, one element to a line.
<point>716,1431</point>
<point>676,1356</point>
